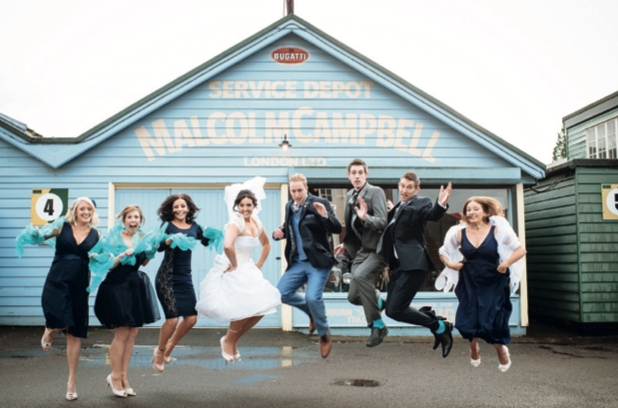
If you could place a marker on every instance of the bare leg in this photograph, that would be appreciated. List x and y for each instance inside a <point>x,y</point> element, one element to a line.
<point>48,336</point>
<point>502,354</point>
<point>116,351</point>
<point>236,330</point>
<point>126,356</point>
<point>74,345</point>
<point>167,330</point>
<point>185,325</point>
<point>474,349</point>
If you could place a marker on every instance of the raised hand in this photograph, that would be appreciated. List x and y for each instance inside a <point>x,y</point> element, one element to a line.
<point>361,210</point>
<point>321,209</point>
<point>389,205</point>
<point>445,193</point>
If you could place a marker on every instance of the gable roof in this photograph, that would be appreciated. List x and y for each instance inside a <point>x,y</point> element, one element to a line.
<point>58,151</point>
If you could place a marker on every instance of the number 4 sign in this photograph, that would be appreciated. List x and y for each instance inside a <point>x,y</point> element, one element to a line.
<point>48,204</point>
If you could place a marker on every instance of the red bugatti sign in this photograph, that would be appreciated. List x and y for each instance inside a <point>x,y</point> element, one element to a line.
<point>289,55</point>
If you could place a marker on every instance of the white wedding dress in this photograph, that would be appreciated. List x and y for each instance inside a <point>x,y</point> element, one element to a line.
<point>241,293</point>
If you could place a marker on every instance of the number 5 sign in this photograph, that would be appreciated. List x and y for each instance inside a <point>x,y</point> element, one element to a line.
<point>609,198</point>
<point>48,204</point>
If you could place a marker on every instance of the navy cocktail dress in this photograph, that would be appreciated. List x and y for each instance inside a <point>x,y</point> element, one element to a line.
<point>65,299</point>
<point>483,292</point>
<point>126,297</point>
<point>174,283</point>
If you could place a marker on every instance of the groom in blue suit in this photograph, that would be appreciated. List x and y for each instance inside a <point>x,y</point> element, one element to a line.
<point>308,221</point>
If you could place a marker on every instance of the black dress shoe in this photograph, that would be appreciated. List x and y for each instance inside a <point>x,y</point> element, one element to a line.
<point>376,337</point>
<point>428,311</point>
<point>445,338</point>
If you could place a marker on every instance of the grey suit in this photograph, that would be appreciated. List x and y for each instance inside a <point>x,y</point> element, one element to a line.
<point>360,242</point>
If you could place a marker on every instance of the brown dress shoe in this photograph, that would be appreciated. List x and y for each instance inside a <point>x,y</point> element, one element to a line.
<point>311,325</point>
<point>326,345</point>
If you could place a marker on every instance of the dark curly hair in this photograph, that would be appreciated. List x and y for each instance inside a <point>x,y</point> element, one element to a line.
<point>242,194</point>
<point>166,211</point>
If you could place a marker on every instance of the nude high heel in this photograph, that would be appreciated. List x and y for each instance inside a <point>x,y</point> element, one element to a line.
<point>46,345</point>
<point>227,357</point>
<point>476,363</point>
<point>504,367</point>
<point>157,367</point>
<point>118,393</point>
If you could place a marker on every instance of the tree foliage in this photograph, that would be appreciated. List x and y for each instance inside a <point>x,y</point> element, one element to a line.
<point>560,150</point>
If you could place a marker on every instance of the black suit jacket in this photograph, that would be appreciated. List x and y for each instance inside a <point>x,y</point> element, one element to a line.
<point>313,229</point>
<point>406,234</point>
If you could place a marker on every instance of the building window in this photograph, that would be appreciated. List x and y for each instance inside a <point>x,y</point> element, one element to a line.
<point>326,193</point>
<point>601,140</point>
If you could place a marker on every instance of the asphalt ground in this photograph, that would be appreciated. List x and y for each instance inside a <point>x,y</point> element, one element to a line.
<point>551,368</point>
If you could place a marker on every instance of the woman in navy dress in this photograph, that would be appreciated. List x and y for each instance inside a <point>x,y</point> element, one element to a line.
<point>489,248</point>
<point>174,283</point>
<point>65,299</point>
<point>126,301</point>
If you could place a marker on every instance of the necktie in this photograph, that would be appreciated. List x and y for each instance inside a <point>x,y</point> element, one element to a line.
<point>358,230</point>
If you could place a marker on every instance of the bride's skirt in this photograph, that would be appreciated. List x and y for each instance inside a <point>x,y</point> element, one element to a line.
<point>236,295</point>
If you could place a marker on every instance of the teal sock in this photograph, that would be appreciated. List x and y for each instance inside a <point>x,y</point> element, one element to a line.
<point>440,327</point>
<point>378,323</point>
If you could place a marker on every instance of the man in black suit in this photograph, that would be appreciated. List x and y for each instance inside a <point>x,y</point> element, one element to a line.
<point>308,221</point>
<point>403,246</point>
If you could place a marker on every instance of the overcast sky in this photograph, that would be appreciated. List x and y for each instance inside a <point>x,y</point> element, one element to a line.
<point>514,67</point>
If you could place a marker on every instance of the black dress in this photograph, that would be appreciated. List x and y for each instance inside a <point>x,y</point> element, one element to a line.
<point>126,297</point>
<point>483,292</point>
<point>174,282</point>
<point>65,299</point>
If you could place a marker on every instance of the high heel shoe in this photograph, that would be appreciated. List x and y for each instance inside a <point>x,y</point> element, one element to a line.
<point>157,367</point>
<point>167,360</point>
<point>476,363</point>
<point>237,356</point>
<point>227,357</point>
<point>118,393</point>
<point>129,391</point>
<point>71,396</point>
<point>46,345</point>
<point>504,367</point>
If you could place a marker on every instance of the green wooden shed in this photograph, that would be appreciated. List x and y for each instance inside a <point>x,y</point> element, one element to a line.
<point>572,227</point>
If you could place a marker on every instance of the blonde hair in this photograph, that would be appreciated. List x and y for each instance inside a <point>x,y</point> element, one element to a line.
<point>490,206</point>
<point>130,208</point>
<point>298,177</point>
<point>70,217</point>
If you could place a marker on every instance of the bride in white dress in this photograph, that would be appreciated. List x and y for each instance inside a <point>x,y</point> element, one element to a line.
<point>235,290</point>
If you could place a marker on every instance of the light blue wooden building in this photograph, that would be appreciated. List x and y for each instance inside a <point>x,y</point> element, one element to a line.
<point>223,123</point>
